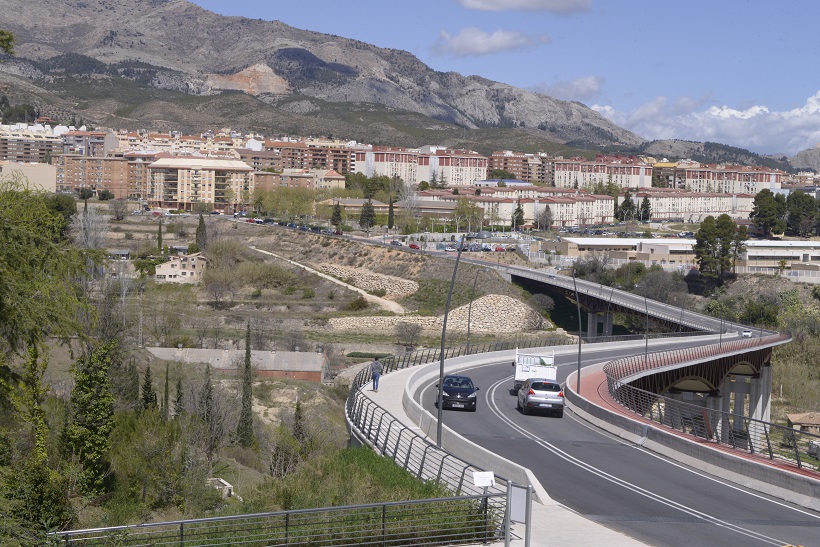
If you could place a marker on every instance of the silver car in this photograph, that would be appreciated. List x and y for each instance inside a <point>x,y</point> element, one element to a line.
<point>541,395</point>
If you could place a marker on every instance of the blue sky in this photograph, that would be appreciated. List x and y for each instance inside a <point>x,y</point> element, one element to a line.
<point>739,72</point>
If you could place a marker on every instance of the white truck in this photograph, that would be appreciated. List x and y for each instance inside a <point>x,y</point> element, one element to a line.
<point>530,365</point>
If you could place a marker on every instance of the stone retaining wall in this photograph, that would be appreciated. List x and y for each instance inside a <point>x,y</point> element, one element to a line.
<point>394,287</point>
<point>493,313</point>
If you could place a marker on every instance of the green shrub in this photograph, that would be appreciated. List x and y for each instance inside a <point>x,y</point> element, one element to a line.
<point>308,293</point>
<point>358,304</point>
<point>331,295</point>
<point>289,290</point>
<point>367,355</point>
<point>378,292</point>
<point>129,236</point>
<point>256,293</point>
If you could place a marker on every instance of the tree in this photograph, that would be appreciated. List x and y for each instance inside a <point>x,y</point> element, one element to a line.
<point>105,195</point>
<point>213,421</point>
<point>166,395</point>
<point>89,229</point>
<point>717,245</point>
<point>367,217</point>
<point>92,404</point>
<point>201,234</point>
<point>801,213</point>
<point>408,333</point>
<point>767,212</point>
<point>7,41</point>
<point>626,210</point>
<point>244,431</point>
<point>517,217</point>
<point>501,174</point>
<point>468,212</point>
<point>336,217</point>
<point>645,210</point>
<point>149,395</point>
<point>85,195</point>
<point>118,208</point>
<point>159,236</point>
<point>40,272</point>
<point>543,218</point>
<point>390,214</point>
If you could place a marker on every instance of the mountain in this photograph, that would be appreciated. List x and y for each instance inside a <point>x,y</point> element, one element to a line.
<point>154,63</point>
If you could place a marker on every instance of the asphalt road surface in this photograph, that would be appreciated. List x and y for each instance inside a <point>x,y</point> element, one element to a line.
<point>617,484</point>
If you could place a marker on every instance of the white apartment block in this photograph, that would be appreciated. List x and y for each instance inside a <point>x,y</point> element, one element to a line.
<point>731,179</point>
<point>581,173</point>
<point>386,161</point>
<point>182,182</point>
<point>454,167</point>
<point>667,204</point>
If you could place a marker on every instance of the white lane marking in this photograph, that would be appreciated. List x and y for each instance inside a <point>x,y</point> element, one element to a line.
<point>620,482</point>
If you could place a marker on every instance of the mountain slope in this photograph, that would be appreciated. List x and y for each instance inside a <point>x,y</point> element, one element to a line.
<point>175,45</point>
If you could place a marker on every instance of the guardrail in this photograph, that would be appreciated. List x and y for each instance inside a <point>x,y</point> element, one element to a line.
<point>788,446</point>
<point>440,521</point>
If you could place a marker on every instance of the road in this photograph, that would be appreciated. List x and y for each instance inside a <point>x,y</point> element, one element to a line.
<point>618,484</point>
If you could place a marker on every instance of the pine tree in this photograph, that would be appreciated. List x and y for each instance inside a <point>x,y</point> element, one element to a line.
<point>88,433</point>
<point>166,396</point>
<point>149,396</point>
<point>336,216</point>
<point>201,234</point>
<point>390,214</point>
<point>367,217</point>
<point>244,431</point>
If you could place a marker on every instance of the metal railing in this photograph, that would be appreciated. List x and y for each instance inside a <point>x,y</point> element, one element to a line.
<point>440,521</point>
<point>786,445</point>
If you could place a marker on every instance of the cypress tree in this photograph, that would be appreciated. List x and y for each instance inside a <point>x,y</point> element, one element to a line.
<point>390,214</point>
<point>166,398</point>
<point>201,234</point>
<point>159,236</point>
<point>149,396</point>
<point>179,400</point>
<point>244,430</point>
<point>336,216</point>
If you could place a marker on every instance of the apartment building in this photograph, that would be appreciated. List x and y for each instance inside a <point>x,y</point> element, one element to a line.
<point>731,179</point>
<point>533,168</point>
<point>24,146</point>
<point>312,154</point>
<point>262,160</point>
<point>681,205</point>
<point>188,182</point>
<point>453,168</point>
<point>89,143</point>
<point>625,172</point>
<point>75,172</point>
<point>389,162</point>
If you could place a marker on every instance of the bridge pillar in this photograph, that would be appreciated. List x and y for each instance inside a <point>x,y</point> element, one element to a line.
<point>714,403</point>
<point>725,408</point>
<point>596,318</point>
<point>760,395</point>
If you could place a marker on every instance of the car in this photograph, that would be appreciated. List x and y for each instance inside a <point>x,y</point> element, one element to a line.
<point>458,392</point>
<point>541,395</point>
<point>291,225</point>
<point>395,243</point>
<point>747,333</point>
<point>414,246</point>
<point>450,249</point>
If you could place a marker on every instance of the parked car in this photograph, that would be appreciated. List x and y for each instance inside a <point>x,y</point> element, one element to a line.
<point>458,392</point>
<point>541,395</point>
<point>291,225</point>
<point>414,246</point>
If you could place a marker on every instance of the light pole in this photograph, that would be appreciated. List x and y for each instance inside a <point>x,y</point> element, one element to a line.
<point>443,337</point>
<point>470,307</point>
<point>578,304</point>
<point>646,335</point>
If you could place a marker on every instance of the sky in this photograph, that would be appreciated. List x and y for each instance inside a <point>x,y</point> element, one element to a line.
<point>737,72</point>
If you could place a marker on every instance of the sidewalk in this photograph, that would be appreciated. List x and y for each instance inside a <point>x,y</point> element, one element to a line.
<point>550,520</point>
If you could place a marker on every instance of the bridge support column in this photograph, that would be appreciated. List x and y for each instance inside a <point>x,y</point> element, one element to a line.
<point>594,319</point>
<point>760,397</point>
<point>714,403</point>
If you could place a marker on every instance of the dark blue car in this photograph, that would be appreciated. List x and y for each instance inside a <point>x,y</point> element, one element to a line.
<point>458,392</point>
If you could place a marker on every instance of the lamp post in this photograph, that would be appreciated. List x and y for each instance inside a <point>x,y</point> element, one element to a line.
<point>470,307</point>
<point>646,335</point>
<point>443,337</point>
<point>578,304</point>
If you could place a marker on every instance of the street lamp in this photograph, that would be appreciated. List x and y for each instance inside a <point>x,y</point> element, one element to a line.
<point>578,304</point>
<point>440,404</point>
<point>470,307</point>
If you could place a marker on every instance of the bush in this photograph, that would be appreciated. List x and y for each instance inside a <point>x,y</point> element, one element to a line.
<point>378,292</point>
<point>308,293</point>
<point>289,290</point>
<point>358,304</point>
<point>105,195</point>
<point>128,236</point>
<point>264,276</point>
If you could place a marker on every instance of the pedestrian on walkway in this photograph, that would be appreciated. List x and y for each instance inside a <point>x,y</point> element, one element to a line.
<point>375,373</point>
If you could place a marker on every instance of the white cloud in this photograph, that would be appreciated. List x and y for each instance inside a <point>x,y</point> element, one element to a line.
<point>755,128</point>
<point>553,6</point>
<point>579,89</point>
<point>474,41</point>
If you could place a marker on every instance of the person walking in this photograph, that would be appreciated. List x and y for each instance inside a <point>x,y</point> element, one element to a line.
<point>375,373</point>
